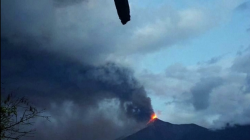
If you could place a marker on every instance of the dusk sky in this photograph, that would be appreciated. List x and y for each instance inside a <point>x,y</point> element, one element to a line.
<point>76,59</point>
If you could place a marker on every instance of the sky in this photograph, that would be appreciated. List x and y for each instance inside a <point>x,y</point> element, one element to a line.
<point>187,61</point>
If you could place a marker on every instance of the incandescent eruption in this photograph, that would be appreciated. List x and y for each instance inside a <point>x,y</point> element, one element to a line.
<point>153,117</point>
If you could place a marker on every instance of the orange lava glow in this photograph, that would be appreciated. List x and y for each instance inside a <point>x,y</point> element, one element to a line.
<point>153,117</point>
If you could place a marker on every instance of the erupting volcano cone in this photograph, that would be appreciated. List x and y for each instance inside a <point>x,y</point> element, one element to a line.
<point>160,130</point>
<point>153,117</point>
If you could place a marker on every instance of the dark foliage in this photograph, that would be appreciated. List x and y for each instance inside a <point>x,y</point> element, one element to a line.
<point>17,117</point>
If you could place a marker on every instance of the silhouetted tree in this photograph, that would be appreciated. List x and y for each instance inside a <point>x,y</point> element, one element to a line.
<point>17,115</point>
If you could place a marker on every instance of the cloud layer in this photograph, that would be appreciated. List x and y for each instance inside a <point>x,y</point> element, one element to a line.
<point>209,94</point>
<point>80,25</point>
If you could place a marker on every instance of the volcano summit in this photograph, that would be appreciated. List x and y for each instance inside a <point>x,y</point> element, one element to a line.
<point>160,130</point>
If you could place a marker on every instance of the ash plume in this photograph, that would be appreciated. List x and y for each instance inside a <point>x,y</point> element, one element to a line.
<point>48,75</point>
<point>44,61</point>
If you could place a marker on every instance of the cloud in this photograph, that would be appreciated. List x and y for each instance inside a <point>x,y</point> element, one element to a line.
<point>241,65</point>
<point>213,60</point>
<point>80,25</point>
<point>63,3</point>
<point>244,6</point>
<point>211,94</point>
<point>202,90</point>
<point>178,71</point>
<point>169,27</point>
<point>247,85</point>
<point>241,62</point>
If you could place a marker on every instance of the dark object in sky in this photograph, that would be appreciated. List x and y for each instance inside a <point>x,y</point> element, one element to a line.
<point>159,130</point>
<point>123,11</point>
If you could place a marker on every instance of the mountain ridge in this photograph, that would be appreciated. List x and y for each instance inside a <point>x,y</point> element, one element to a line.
<point>160,130</point>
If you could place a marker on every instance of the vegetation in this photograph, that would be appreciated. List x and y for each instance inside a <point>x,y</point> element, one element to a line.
<point>17,117</point>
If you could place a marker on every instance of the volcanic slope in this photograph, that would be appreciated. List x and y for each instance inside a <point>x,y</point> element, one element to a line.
<point>160,130</point>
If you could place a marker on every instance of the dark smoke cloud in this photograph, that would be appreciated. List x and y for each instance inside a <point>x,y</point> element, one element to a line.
<point>48,75</point>
<point>85,100</point>
<point>47,78</point>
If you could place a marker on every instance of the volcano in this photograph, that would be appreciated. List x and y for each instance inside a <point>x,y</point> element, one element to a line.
<point>160,130</point>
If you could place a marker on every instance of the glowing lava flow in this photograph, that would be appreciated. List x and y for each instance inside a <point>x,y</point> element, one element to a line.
<point>153,117</point>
